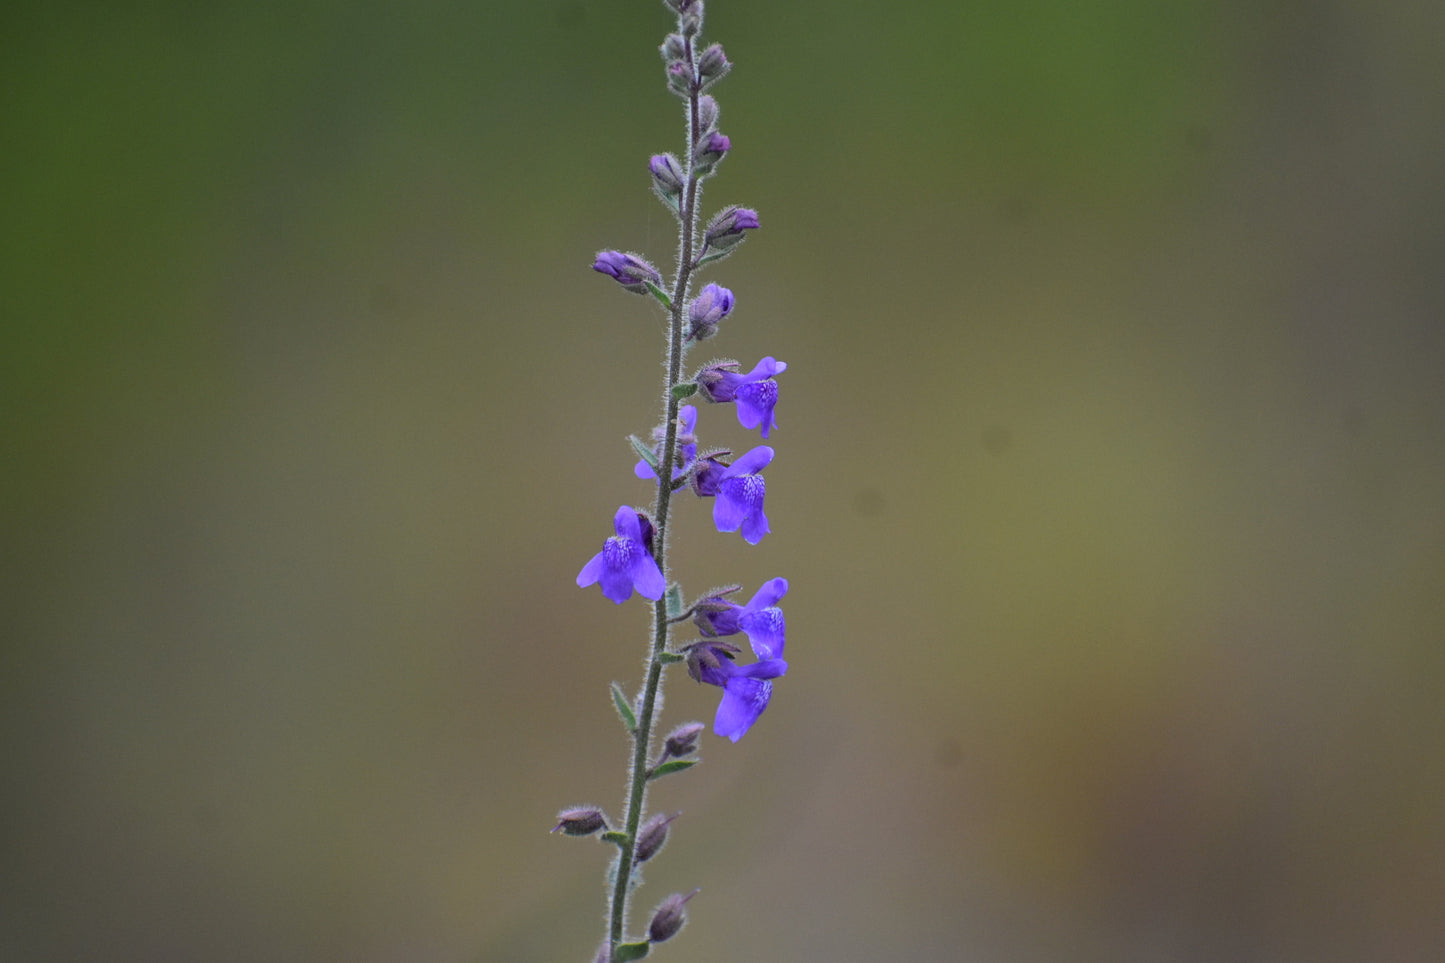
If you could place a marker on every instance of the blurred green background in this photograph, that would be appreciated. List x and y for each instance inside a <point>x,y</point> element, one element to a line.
<point>1109,479</point>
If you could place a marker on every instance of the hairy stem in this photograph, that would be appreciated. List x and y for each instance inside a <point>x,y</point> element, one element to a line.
<point>642,735</point>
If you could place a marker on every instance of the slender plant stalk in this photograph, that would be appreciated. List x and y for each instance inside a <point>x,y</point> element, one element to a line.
<point>642,735</point>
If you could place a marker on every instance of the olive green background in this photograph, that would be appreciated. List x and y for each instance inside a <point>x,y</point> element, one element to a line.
<point>1110,479</point>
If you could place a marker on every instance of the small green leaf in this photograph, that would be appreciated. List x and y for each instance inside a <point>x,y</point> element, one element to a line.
<point>711,256</point>
<point>684,390</point>
<point>643,451</point>
<point>659,293</point>
<point>629,719</point>
<point>676,765</point>
<point>667,658</point>
<point>630,951</point>
<point>674,600</point>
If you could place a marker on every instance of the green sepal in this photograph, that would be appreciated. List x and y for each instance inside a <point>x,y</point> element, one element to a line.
<point>667,658</point>
<point>711,256</point>
<point>630,951</point>
<point>624,709</point>
<point>684,390</point>
<point>645,453</point>
<point>613,836</point>
<point>675,765</point>
<point>659,293</point>
<point>674,600</point>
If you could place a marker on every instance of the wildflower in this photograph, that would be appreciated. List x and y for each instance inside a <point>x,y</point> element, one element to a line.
<point>747,689</point>
<point>630,271</point>
<point>740,492</point>
<point>761,619</point>
<point>756,393</point>
<point>626,561</point>
<point>686,444</point>
<point>707,310</point>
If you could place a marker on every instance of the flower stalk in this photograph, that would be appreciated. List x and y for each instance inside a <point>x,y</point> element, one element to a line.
<point>637,557</point>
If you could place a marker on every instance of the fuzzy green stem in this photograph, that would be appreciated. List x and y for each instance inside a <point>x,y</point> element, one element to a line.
<point>676,348</point>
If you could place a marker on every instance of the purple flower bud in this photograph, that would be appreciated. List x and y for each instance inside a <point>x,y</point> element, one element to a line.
<point>710,149</point>
<point>626,561</point>
<point>682,741</point>
<point>680,78</point>
<point>673,48</point>
<point>707,310</point>
<point>712,65</point>
<point>706,112</point>
<point>628,270</point>
<point>651,837</point>
<point>669,917</point>
<point>726,228</point>
<point>667,177</point>
<point>740,493</point>
<point>583,821</point>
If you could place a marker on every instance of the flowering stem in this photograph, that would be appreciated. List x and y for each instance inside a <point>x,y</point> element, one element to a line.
<point>676,347</point>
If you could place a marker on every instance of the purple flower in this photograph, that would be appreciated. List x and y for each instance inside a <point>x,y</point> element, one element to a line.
<point>761,618</point>
<point>756,393</point>
<point>626,561</point>
<point>631,272</point>
<point>707,310</point>
<point>686,442</point>
<point>726,228</point>
<point>740,492</point>
<point>747,689</point>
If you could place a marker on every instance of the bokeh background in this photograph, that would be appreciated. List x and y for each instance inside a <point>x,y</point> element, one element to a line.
<point>1109,479</point>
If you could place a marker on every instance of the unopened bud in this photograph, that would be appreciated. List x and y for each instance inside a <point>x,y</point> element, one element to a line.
<point>669,917</point>
<point>680,78</point>
<point>712,65</point>
<point>651,837</point>
<point>667,178</point>
<point>682,741</point>
<point>706,311</point>
<point>628,270</point>
<point>673,48</point>
<point>706,112</point>
<point>582,821</point>
<point>726,228</point>
<point>711,148</point>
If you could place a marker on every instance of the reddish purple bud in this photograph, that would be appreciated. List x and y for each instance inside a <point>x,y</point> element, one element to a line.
<point>669,917</point>
<point>651,837</point>
<point>583,821</point>
<point>682,741</point>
